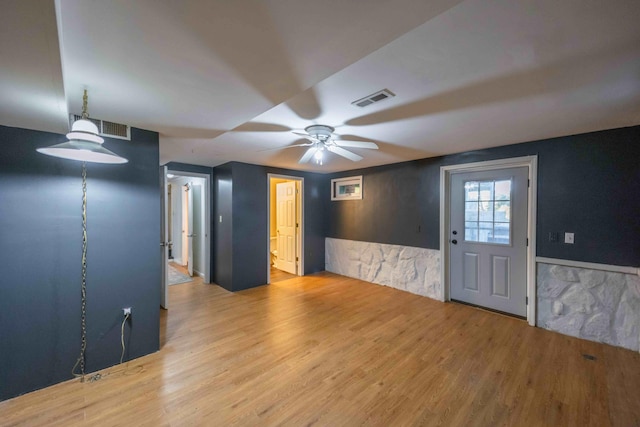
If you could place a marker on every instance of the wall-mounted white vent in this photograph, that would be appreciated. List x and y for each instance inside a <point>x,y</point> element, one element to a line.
<point>373,98</point>
<point>105,128</point>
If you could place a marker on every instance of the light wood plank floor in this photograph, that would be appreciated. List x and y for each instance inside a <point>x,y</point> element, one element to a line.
<point>332,351</point>
<point>184,270</point>
<point>279,275</point>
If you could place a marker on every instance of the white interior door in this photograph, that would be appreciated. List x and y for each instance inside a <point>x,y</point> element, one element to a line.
<point>488,238</point>
<point>286,226</point>
<point>164,239</point>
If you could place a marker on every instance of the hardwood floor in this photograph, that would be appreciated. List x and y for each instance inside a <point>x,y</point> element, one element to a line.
<point>333,351</point>
<point>279,275</point>
<point>184,270</point>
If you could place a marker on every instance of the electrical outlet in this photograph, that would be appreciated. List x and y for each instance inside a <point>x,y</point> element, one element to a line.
<point>126,310</point>
<point>554,236</point>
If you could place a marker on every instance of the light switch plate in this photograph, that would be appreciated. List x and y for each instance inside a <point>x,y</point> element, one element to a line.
<point>568,238</point>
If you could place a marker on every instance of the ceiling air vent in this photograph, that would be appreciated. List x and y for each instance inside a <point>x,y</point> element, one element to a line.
<point>108,129</point>
<point>373,98</point>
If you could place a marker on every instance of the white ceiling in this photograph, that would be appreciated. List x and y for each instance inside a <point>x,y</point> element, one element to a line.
<point>226,80</point>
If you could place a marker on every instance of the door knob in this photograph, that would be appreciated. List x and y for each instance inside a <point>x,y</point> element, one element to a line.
<point>454,232</point>
<point>454,241</point>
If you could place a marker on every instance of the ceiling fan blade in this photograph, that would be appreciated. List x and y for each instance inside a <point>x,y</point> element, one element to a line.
<point>356,144</point>
<point>308,155</point>
<point>307,136</point>
<point>344,153</point>
<point>306,144</point>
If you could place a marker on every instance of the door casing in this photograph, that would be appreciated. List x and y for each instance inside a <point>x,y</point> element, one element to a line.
<point>531,162</point>
<point>207,217</point>
<point>187,223</point>
<point>299,215</point>
<point>164,239</point>
<point>287,230</point>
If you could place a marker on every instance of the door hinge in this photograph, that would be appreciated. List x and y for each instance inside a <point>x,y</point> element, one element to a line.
<point>297,259</point>
<point>527,241</point>
<point>526,300</point>
<point>297,225</point>
<point>528,183</point>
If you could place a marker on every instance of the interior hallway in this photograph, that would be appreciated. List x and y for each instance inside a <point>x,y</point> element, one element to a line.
<point>329,350</point>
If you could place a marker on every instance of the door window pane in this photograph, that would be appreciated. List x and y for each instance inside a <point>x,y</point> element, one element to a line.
<point>486,190</point>
<point>501,232</point>
<point>502,210</point>
<point>471,211</point>
<point>485,231</point>
<point>471,190</point>
<point>503,190</point>
<point>487,211</point>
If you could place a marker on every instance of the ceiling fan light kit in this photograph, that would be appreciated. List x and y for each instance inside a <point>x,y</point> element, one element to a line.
<point>321,138</point>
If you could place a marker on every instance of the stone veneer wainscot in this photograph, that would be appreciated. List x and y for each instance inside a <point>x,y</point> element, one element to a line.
<point>416,270</point>
<point>591,304</point>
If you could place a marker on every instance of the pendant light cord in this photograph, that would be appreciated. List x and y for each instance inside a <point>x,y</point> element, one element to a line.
<point>83,316</point>
<point>124,321</point>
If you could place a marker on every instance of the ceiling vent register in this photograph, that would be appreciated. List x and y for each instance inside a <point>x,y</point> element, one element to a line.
<point>381,95</point>
<point>105,128</point>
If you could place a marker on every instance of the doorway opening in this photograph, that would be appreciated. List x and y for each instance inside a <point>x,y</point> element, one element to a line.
<point>186,229</point>
<point>286,227</point>
<point>488,236</point>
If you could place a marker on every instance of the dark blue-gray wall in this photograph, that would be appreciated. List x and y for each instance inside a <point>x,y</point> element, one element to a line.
<point>588,184</point>
<point>222,265</point>
<point>41,244</point>
<point>242,242</point>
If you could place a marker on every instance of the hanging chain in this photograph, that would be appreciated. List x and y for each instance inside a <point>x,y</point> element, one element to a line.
<point>83,346</point>
<point>85,98</point>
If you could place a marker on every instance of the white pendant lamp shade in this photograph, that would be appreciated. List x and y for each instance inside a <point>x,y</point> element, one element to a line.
<point>85,130</point>
<point>85,144</point>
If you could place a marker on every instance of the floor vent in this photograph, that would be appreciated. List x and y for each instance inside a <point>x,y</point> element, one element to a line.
<point>108,129</point>
<point>381,95</point>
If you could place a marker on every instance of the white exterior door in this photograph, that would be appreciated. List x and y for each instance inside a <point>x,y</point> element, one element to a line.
<point>488,239</point>
<point>286,226</point>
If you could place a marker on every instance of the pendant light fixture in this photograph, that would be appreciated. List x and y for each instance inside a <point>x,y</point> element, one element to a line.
<point>85,144</point>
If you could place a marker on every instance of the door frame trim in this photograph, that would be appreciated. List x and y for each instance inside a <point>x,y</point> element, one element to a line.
<point>207,217</point>
<point>531,162</point>
<point>300,233</point>
<point>164,231</point>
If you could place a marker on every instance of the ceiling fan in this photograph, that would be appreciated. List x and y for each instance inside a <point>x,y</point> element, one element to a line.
<point>321,138</point>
